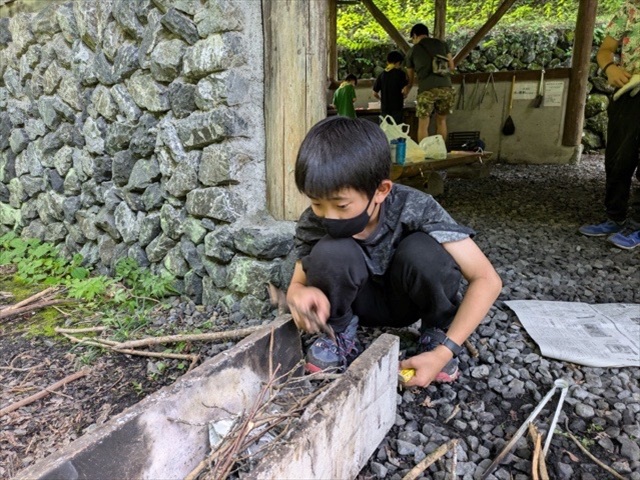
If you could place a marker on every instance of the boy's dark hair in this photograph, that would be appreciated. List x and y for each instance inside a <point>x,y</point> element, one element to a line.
<point>394,57</point>
<point>419,29</point>
<point>351,78</point>
<point>341,152</point>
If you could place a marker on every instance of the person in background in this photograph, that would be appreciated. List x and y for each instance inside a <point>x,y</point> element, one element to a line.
<point>374,253</point>
<point>389,87</point>
<point>435,92</point>
<point>621,157</point>
<point>345,96</point>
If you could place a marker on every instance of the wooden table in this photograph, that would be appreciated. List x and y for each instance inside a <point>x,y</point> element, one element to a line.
<point>427,174</point>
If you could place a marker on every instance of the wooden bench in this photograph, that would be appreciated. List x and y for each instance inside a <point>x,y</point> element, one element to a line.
<point>427,175</point>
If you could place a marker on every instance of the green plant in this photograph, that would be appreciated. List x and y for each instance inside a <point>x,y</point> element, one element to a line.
<point>138,388</point>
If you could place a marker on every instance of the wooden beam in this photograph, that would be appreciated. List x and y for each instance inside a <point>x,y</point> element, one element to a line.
<point>475,40</point>
<point>295,38</point>
<point>387,25</point>
<point>577,94</point>
<point>440,21</point>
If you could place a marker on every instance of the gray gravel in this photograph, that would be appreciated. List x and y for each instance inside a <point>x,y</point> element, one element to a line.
<point>527,219</point>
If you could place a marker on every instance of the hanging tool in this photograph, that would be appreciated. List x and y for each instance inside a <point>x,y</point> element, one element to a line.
<point>509,127</point>
<point>493,87</point>
<point>472,98</point>
<point>537,102</point>
<point>461,93</point>
<point>484,91</point>
<point>559,383</point>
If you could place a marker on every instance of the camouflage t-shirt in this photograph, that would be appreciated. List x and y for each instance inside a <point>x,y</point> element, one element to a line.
<point>404,211</point>
<point>625,28</point>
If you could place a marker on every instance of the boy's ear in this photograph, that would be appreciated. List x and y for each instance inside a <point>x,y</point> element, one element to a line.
<point>383,190</point>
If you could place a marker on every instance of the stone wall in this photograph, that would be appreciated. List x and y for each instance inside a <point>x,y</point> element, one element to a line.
<point>135,128</point>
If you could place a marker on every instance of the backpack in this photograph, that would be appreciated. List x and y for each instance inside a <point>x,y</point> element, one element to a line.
<point>439,63</point>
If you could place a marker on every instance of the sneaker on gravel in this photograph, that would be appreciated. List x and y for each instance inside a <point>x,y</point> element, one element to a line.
<point>326,355</point>
<point>601,229</point>
<point>430,339</point>
<point>629,238</point>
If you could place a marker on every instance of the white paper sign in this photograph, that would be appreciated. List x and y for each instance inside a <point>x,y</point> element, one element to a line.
<point>553,93</point>
<point>525,91</point>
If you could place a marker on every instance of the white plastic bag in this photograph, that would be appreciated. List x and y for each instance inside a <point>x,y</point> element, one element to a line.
<point>434,147</point>
<point>393,130</point>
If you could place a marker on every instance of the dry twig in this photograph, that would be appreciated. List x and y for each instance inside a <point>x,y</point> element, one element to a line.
<point>588,454</point>
<point>473,351</point>
<point>80,330</point>
<point>196,337</point>
<point>535,438</point>
<point>426,462</point>
<point>43,393</point>
<point>115,346</point>
<point>456,410</point>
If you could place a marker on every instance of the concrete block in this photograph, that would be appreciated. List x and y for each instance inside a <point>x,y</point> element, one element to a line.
<point>342,428</point>
<point>166,434</point>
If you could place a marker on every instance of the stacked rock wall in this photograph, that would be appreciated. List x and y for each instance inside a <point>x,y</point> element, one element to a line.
<point>135,128</point>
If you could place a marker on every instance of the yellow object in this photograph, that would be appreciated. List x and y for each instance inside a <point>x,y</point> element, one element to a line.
<point>406,374</point>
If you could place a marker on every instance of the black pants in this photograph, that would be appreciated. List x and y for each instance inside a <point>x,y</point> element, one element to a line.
<point>422,282</point>
<point>622,157</point>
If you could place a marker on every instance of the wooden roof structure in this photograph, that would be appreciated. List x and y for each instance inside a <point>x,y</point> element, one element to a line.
<point>301,60</point>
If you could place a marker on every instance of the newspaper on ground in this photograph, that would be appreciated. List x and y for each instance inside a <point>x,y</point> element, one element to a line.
<point>603,335</point>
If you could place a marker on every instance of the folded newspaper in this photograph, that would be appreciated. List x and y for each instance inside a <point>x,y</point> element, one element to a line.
<point>596,335</point>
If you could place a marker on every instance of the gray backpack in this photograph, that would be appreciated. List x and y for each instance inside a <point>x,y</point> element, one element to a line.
<point>439,63</point>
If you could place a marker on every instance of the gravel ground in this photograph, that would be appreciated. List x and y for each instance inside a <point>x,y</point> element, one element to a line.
<point>526,218</point>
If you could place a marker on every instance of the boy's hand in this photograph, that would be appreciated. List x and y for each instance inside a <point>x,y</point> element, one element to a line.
<point>309,307</point>
<point>427,366</point>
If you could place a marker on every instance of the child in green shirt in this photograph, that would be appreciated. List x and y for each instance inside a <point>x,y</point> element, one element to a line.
<point>345,96</point>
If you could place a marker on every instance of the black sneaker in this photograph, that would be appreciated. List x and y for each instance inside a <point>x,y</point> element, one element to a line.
<point>430,339</point>
<point>326,355</point>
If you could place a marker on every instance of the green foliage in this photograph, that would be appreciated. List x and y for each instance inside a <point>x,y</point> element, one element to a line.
<point>124,301</point>
<point>141,281</point>
<point>39,262</point>
<point>357,29</point>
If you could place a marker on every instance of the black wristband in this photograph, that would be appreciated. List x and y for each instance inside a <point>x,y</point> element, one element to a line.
<point>604,69</point>
<point>451,345</point>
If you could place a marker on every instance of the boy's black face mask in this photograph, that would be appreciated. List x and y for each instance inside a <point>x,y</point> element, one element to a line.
<point>347,227</point>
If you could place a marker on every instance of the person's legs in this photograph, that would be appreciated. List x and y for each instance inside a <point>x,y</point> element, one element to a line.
<point>423,128</point>
<point>337,267</point>
<point>424,108</point>
<point>621,160</point>
<point>621,154</point>
<point>441,125</point>
<point>422,282</point>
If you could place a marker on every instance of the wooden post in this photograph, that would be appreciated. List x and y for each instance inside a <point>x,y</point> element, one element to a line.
<point>295,64</point>
<point>502,9</point>
<point>577,94</point>
<point>333,40</point>
<point>440,22</point>
<point>387,25</point>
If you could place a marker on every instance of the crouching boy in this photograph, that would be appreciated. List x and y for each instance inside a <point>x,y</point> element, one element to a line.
<point>373,253</point>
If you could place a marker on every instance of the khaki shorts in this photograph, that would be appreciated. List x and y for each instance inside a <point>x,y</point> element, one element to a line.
<point>440,98</point>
